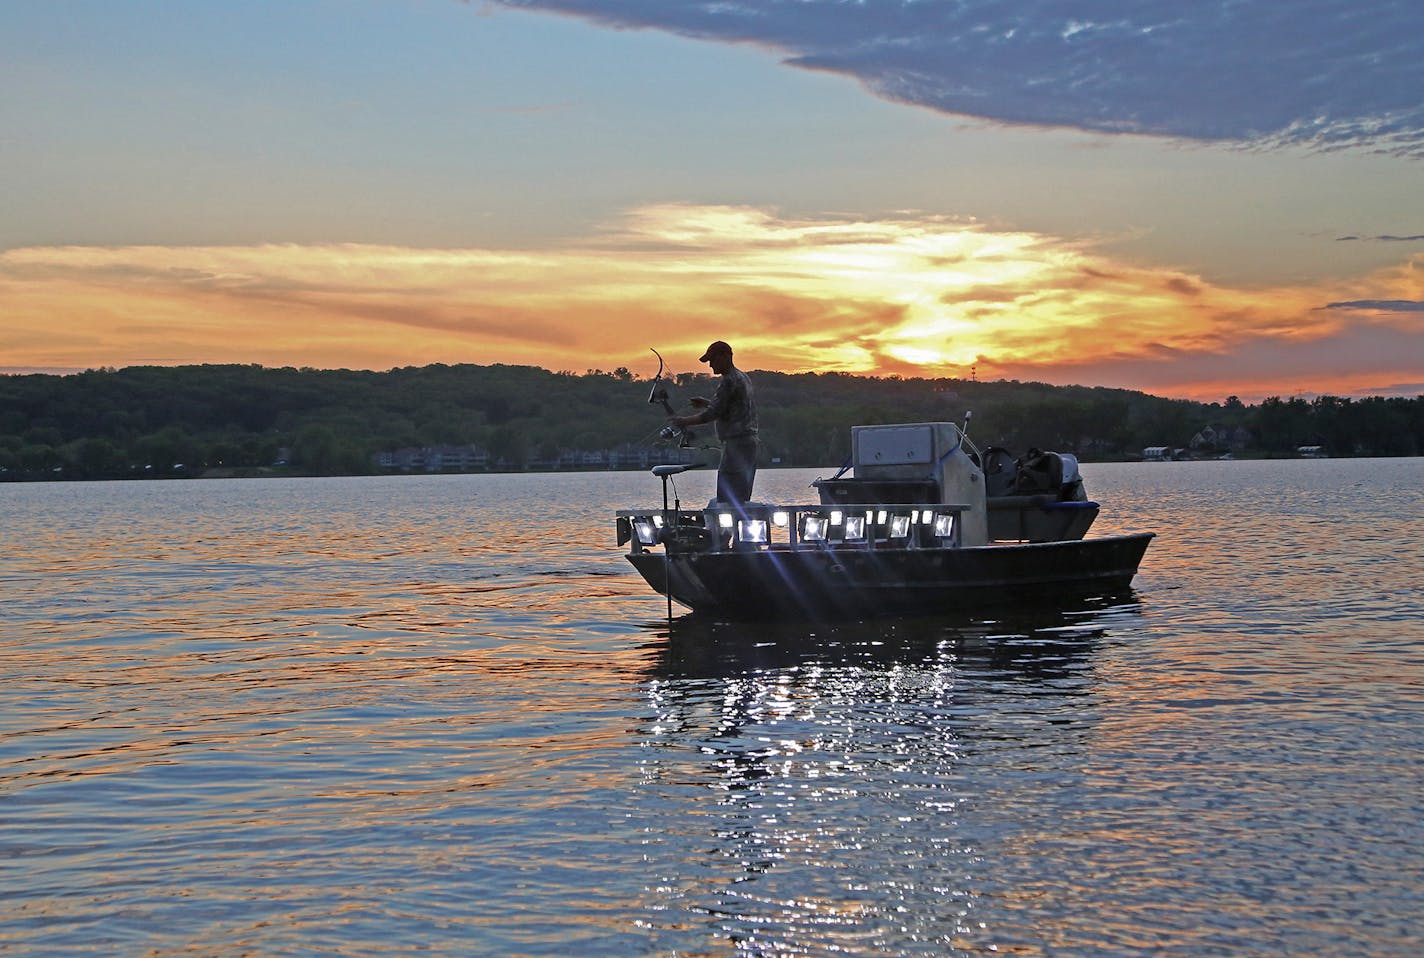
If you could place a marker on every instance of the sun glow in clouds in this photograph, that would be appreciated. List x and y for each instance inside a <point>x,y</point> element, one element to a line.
<point>917,295</point>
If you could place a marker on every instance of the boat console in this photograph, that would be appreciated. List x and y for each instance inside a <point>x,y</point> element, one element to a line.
<point>1038,497</point>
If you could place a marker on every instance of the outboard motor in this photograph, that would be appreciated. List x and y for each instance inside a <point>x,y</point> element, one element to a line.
<point>1049,473</point>
<point>1072,489</point>
<point>1038,473</point>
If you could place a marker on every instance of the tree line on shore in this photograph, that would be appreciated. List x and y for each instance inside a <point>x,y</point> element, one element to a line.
<point>244,419</point>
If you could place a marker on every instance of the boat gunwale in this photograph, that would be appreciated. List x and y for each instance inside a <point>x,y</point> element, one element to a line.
<point>794,542</point>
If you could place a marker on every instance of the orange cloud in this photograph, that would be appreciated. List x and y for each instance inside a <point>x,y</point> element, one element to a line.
<point>913,294</point>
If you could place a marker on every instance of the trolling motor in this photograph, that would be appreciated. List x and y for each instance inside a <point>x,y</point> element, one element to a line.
<point>659,395</point>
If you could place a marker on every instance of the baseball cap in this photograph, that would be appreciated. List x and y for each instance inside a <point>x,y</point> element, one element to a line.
<point>714,349</point>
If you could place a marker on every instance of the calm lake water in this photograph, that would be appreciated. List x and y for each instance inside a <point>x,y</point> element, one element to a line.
<point>443,715</point>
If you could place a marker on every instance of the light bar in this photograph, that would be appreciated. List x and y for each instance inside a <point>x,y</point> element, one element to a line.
<point>752,530</point>
<point>813,528</point>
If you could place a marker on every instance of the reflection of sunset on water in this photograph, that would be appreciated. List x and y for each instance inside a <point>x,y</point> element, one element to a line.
<point>443,710</point>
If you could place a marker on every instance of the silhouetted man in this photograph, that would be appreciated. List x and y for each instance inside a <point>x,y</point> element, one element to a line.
<point>733,409</point>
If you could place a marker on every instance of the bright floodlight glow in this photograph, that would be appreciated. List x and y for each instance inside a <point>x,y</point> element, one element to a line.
<point>899,527</point>
<point>944,525</point>
<point>836,517</point>
<point>724,519</point>
<point>813,528</point>
<point>880,517</point>
<point>855,527</point>
<point>781,518</point>
<point>926,517</point>
<point>658,521</point>
<point>752,530</point>
<point>647,532</point>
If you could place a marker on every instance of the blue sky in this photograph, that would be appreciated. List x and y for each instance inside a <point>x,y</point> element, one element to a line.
<point>1262,161</point>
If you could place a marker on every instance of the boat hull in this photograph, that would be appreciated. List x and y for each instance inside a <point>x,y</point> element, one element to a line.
<point>840,583</point>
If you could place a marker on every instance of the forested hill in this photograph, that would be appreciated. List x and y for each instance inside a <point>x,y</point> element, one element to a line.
<point>191,420</point>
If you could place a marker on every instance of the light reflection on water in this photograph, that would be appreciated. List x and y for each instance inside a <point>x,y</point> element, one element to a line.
<point>390,715</point>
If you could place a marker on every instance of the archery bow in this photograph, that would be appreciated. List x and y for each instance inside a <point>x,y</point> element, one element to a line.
<point>659,394</point>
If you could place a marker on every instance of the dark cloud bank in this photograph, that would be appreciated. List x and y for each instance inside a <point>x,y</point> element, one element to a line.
<point>1385,238</point>
<point>1324,74</point>
<point>1382,305</point>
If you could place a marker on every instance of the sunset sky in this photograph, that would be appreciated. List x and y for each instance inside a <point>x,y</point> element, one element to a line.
<point>1192,199</point>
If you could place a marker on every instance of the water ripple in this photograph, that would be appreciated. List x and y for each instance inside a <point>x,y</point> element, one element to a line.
<point>388,716</point>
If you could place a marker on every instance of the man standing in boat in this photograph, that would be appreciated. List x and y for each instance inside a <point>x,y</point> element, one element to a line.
<point>733,409</point>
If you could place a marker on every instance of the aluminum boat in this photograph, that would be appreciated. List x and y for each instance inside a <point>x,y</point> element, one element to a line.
<point>927,523</point>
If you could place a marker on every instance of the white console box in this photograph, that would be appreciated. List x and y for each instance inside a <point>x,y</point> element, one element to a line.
<point>925,450</point>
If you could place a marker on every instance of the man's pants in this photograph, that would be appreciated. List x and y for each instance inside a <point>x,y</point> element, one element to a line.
<point>737,470</point>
